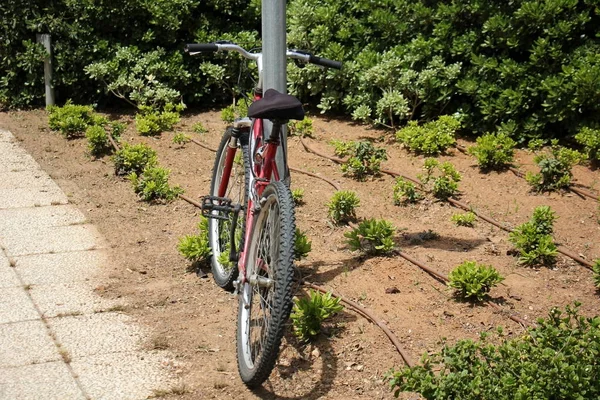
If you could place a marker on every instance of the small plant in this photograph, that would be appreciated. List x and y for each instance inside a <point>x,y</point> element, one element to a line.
<point>298,196</point>
<point>493,151</point>
<point>195,248</point>
<point>72,119</point>
<point>342,149</point>
<point>233,111</point>
<point>444,176</point>
<point>534,240</point>
<point>365,159</point>
<point>151,121</point>
<point>372,236</point>
<point>198,127</point>
<point>536,144</point>
<point>556,359</point>
<point>405,192</point>
<point>133,159</point>
<point>431,138</point>
<point>590,140</point>
<point>302,246</point>
<point>466,219</point>
<point>555,169</point>
<point>309,313</point>
<point>596,270</point>
<point>342,206</point>
<point>302,128</point>
<point>473,281</point>
<point>153,185</point>
<point>98,140</point>
<point>181,138</point>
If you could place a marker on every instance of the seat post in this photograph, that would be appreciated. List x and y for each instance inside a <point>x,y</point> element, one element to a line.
<point>275,131</point>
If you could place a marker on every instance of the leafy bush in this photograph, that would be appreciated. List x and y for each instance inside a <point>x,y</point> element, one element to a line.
<point>71,120</point>
<point>302,246</point>
<point>431,138</point>
<point>555,169</point>
<point>365,159</point>
<point>342,149</point>
<point>198,127</point>
<point>302,128</point>
<point>493,151</point>
<point>405,192</point>
<point>372,236</point>
<point>534,240</point>
<point>150,121</point>
<point>441,179</point>
<point>309,313</point>
<point>97,137</point>
<point>557,359</point>
<point>298,196</point>
<point>195,248</point>
<point>233,111</point>
<point>133,159</point>
<point>473,281</point>
<point>342,206</point>
<point>596,270</point>
<point>180,138</point>
<point>590,140</point>
<point>466,219</point>
<point>153,185</point>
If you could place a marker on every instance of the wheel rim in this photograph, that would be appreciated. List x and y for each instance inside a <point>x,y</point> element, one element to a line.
<point>219,229</point>
<point>258,293</point>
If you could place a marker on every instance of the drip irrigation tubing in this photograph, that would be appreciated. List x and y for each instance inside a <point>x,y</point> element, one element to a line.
<point>369,316</point>
<point>561,249</point>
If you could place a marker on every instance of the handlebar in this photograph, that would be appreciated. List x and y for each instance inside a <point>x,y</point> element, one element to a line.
<point>195,48</point>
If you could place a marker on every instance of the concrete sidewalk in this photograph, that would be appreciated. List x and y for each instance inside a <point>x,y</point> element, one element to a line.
<point>58,339</point>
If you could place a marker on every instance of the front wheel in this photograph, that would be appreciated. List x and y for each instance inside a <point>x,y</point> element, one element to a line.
<point>265,300</point>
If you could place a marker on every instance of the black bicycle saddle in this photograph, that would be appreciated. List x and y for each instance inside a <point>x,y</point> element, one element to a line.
<point>276,105</point>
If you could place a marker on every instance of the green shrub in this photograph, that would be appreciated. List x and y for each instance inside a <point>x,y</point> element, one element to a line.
<point>98,139</point>
<point>342,206</point>
<point>198,127</point>
<point>71,120</point>
<point>493,151</point>
<point>153,185</point>
<point>473,281</point>
<point>298,196</point>
<point>341,148</point>
<point>303,128</point>
<point>466,219</point>
<point>536,144</point>
<point>302,246</point>
<point>405,192</point>
<point>431,138</point>
<point>555,169</point>
<point>133,159</point>
<point>365,159</point>
<point>150,121</point>
<point>180,138</point>
<point>533,239</point>
<point>372,236</point>
<point>590,140</point>
<point>441,179</point>
<point>596,270</point>
<point>195,248</point>
<point>309,313</point>
<point>557,359</point>
<point>233,111</point>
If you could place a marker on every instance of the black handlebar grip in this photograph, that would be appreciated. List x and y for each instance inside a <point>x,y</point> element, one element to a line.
<point>325,62</point>
<point>196,47</point>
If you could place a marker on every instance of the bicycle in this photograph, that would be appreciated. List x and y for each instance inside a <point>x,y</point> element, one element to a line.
<point>255,256</point>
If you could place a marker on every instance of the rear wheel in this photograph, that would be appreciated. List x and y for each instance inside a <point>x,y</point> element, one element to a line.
<point>266,297</point>
<point>225,271</point>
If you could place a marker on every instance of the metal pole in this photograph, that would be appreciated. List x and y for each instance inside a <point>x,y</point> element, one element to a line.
<point>274,47</point>
<point>46,41</point>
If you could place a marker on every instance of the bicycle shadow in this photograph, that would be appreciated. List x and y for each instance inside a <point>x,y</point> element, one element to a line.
<point>311,271</point>
<point>311,369</point>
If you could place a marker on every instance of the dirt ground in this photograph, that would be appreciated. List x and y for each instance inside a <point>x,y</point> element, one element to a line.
<point>195,320</point>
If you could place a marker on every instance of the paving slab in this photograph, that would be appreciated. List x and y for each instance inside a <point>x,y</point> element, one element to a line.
<point>31,197</point>
<point>47,381</point>
<point>8,275</point>
<point>67,299</point>
<point>94,334</point>
<point>28,220</point>
<point>24,343</point>
<point>15,306</point>
<point>25,179</point>
<point>56,239</point>
<point>5,136</point>
<point>121,376</point>
<point>60,268</point>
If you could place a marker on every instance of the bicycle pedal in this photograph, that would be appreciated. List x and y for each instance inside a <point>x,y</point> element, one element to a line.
<point>222,205</point>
